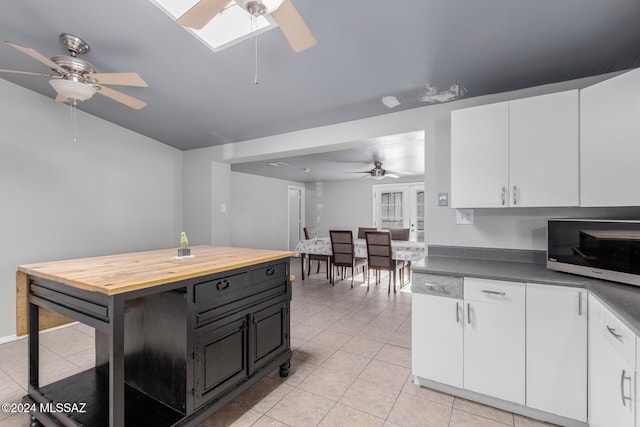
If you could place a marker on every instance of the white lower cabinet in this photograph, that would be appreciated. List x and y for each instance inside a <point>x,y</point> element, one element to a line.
<point>494,338</point>
<point>437,338</point>
<point>557,350</point>
<point>476,343</point>
<point>612,359</point>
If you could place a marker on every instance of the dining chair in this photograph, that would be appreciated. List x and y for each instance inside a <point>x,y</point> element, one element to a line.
<point>344,254</point>
<point>379,257</point>
<point>399,234</point>
<point>312,233</point>
<point>363,230</point>
<point>402,234</point>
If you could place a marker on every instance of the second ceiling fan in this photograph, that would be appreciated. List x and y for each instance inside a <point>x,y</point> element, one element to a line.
<point>283,12</point>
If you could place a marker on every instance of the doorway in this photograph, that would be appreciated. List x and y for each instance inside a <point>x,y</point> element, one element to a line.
<point>400,206</point>
<point>296,215</point>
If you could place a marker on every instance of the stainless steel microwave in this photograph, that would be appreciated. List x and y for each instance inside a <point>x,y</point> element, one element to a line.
<point>608,249</point>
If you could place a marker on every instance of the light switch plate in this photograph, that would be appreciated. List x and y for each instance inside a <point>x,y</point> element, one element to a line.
<point>443,199</point>
<point>464,216</point>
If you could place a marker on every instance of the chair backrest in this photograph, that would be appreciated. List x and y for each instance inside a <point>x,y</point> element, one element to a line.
<point>311,233</point>
<point>342,247</point>
<point>399,233</point>
<point>362,231</point>
<point>379,250</point>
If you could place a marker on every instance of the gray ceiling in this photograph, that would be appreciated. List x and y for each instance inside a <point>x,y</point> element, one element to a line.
<point>366,50</point>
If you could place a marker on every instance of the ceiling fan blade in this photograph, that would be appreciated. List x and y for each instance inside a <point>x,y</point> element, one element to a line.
<point>399,173</point>
<point>391,175</point>
<point>123,98</point>
<point>201,13</point>
<point>293,27</point>
<point>5,70</point>
<point>37,56</point>
<point>369,172</point>
<point>61,99</point>
<point>122,79</point>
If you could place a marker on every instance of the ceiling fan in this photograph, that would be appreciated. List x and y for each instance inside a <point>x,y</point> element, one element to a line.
<point>75,79</point>
<point>378,173</point>
<point>283,12</point>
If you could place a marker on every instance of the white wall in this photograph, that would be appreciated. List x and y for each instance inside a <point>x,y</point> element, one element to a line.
<point>112,191</point>
<point>511,228</point>
<point>259,211</point>
<point>220,204</point>
<point>345,205</point>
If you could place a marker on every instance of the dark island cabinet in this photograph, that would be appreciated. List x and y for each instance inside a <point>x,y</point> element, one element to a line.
<point>184,348</point>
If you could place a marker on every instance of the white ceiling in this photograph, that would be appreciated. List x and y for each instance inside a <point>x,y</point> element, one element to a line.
<point>366,50</point>
<point>403,154</point>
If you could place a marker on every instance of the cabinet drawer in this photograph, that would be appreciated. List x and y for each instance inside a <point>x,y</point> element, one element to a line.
<point>620,337</point>
<point>215,292</point>
<point>494,291</point>
<point>269,274</point>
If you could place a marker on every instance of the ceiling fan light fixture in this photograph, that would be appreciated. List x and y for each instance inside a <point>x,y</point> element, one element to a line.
<point>72,90</point>
<point>260,7</point>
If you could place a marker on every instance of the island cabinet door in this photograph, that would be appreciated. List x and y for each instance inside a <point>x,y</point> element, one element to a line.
<point>220,357</point>
<point>268,332</point>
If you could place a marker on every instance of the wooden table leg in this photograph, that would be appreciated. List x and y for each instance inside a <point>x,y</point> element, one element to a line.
<point>302,264</point>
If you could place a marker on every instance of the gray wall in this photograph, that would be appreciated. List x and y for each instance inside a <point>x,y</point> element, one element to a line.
<point>344,205</point>
<point>112,191</point>
<point>259,211</point>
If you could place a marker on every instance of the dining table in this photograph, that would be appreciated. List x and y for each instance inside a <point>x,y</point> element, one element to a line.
<point>401,250</point>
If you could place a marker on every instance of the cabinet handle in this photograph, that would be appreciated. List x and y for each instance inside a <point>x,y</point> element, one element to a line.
<point>622,378</point>
<point>504,195</point>
<point>493,292</point>
<point>579,303</point>
<point>515,195</point>
<point>271,271</point>
<point>221,285</point>
<point>457,312</point>
<point>469,313</point>
<point>613,332</point>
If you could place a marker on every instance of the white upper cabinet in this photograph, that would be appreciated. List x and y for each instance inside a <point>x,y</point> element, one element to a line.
<point>544,150</point>
<point>610,142</point>
<point>522,153</point>
<point>480,156</point>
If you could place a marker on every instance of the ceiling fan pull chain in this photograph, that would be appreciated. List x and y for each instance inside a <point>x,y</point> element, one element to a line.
<point>254,30</point>
<point>73,117</point>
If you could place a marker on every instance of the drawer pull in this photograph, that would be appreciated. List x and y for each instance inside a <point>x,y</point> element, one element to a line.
<point>222,285</point>
<point>469,313</point>
<point>271,271</point>
<point>494,292</point>
<point>579,303</point>
<point>613,332</point>
<point>622,378</point>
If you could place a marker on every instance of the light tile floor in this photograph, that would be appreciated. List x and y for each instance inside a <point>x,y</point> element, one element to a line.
<point>351,366</point>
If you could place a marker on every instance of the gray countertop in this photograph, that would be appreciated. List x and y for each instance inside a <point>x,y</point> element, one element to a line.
<point>624,300</point>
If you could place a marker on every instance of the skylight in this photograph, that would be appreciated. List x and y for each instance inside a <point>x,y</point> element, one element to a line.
<point>231,26</point>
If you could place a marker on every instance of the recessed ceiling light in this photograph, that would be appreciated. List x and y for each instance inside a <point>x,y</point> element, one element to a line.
<point>390,101</point>
<point>230,27</point>
<point>279,164</point>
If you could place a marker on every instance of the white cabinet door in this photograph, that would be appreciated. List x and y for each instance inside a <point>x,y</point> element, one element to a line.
<point>544,150</point>
<point>609,148</point>
<point>436,328</point>
<point>480,156</point>
<point>494,350</point>
<point>557,350</point>
<point>611,376</point>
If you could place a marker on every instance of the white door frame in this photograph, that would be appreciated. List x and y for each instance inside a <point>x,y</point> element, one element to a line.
<point>301,220</point>
<point>408,189</point>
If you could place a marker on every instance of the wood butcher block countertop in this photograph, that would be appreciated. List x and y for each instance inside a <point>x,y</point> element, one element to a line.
<point>116,274</point>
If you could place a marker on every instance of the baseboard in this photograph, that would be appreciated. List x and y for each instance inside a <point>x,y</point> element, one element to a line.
<point>10,338</point>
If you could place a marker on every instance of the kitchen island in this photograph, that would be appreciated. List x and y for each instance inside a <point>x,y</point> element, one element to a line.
<point>175,338</point>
